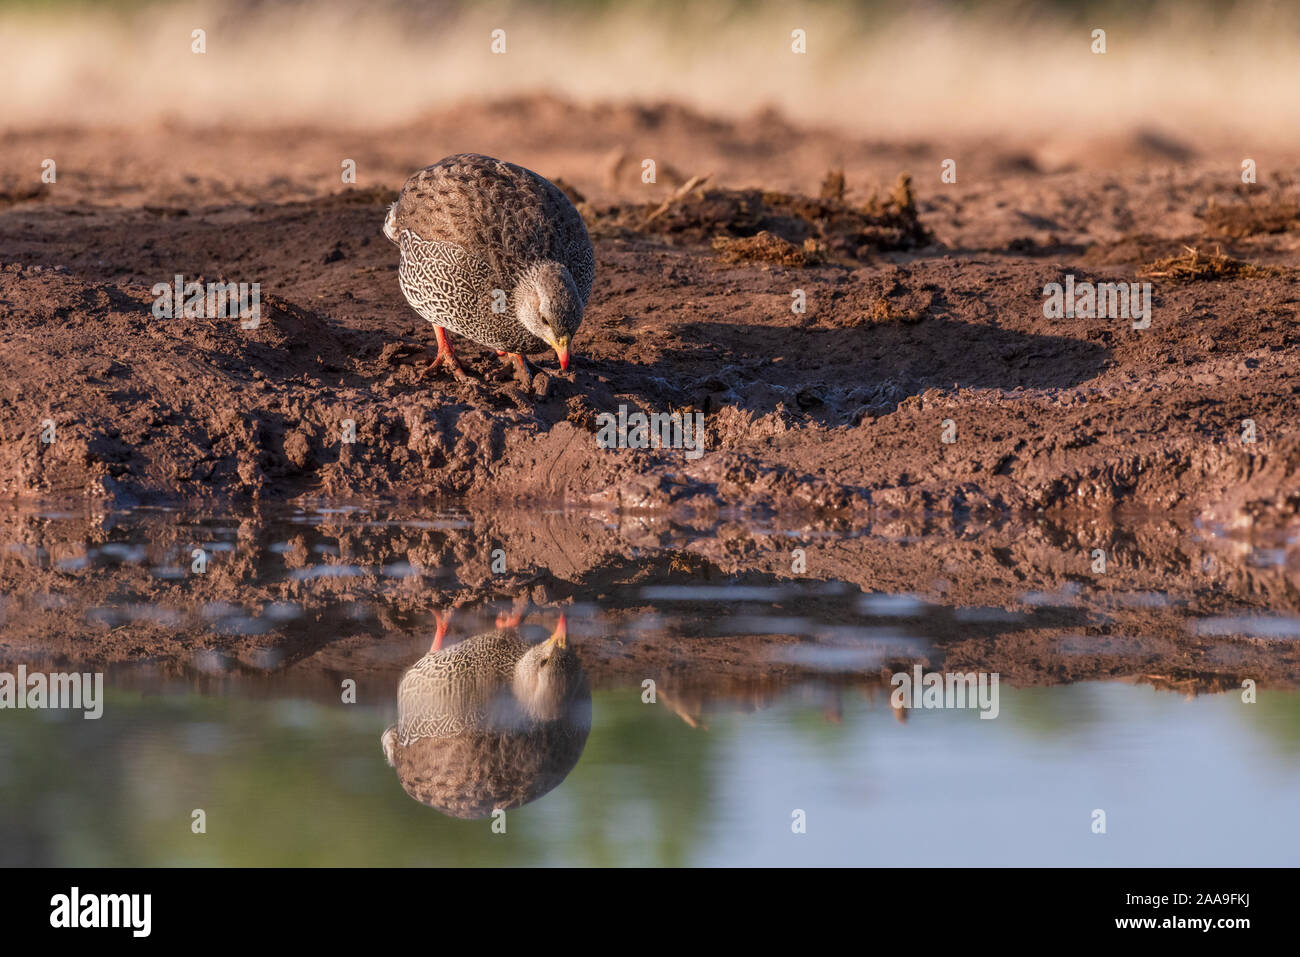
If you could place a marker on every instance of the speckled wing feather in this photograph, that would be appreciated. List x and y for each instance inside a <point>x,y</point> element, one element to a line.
<point>470,775</point>
<point>446,284</point>
<point>449,692</point>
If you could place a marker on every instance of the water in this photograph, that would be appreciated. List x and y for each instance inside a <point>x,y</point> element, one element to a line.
<point>230,691</point>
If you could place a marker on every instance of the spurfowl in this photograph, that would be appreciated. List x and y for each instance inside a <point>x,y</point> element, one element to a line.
<point>490,723</point>
<point>495,253</point>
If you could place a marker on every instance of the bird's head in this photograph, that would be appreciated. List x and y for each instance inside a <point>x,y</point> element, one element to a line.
<point>547,304</point>
<point>549,677</point>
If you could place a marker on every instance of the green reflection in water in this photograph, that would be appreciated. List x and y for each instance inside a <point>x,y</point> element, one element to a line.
<point>293,782</point>
<point>299,783</point>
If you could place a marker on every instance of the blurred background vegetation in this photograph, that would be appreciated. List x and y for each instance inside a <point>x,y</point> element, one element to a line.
<point>1198,68</point>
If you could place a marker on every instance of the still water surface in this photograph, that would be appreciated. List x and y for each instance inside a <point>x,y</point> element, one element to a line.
<point>772,701</point>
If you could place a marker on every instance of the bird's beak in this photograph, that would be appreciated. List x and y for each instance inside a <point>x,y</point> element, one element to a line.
<point>562,352</point>
<point>559,638</point>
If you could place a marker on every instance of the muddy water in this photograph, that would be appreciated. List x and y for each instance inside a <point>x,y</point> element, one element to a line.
<point>744,682</point>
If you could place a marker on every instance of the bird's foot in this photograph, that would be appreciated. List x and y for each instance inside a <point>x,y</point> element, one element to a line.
<point>524,370</point>
<point>516,614</point>
<point>446,356</point>
<point>448,359</point>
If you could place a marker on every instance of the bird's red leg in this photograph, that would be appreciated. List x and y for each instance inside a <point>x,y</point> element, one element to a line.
<point>443,618</point>
<point>446,355</point>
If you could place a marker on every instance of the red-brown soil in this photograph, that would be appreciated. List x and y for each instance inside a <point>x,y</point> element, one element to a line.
<point>914,316</point>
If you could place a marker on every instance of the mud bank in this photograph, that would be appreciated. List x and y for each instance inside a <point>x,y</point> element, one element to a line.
<point>316,595</point>
<point>922,320</point>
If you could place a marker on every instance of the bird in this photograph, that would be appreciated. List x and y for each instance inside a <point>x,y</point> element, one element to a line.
<point>493,252</point>
<point>490,723</point>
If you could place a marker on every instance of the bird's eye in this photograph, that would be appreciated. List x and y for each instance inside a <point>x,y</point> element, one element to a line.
<point>544,661</point>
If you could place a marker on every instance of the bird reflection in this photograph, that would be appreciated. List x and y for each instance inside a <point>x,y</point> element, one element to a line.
<point>490,723</point>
